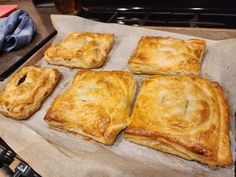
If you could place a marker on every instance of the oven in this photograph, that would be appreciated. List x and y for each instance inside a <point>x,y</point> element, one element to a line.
<point>173,13</point>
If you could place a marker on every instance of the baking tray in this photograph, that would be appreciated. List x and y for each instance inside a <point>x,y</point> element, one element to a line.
<point>125,158</point>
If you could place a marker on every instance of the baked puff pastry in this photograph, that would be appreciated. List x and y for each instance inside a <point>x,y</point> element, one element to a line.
<point>167,55</point>
<point>183,115</point>
<point>26,90</point>
<point>97,105</point>
<point>82,50</point>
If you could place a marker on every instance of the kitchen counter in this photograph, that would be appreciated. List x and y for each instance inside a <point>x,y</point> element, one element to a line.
<point>45,29</point>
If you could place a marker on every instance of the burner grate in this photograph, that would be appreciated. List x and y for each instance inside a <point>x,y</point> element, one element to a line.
<point>139,16</point>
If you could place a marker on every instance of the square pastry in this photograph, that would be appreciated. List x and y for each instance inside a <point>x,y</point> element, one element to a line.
<point>167,55</point>
<point>26,90</point>
<point>183,115</point>
<point>97,105</point>
<point>82,50</point>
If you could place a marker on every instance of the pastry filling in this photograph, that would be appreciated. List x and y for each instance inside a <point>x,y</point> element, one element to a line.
<point>22,79</point>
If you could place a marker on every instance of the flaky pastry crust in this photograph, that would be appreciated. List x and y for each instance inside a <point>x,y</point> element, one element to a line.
<point>167,55</point>
<point>26,90</point>
<point>82,50</point>
<point>97,105</point>
<point>183,115</point>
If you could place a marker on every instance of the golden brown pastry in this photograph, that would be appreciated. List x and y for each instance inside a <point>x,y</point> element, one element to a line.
<point>26,91</point>
<point>183,115</point>
<point>82,50</point>
<point>97,105</point>
<point>167,55</point>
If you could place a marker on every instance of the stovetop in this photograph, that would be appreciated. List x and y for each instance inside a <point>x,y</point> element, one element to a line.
<point>170,13</point>
<point>177,13</point>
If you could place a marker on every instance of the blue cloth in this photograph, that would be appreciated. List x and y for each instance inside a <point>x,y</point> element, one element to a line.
<point>16,31</point>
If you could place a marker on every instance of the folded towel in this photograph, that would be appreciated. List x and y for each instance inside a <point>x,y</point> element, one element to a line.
<point>16,31</point>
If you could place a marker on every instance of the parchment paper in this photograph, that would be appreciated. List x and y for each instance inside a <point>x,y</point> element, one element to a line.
<point>55,153</point>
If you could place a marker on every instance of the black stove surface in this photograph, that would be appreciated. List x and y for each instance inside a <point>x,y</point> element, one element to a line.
<point>180,13</point>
